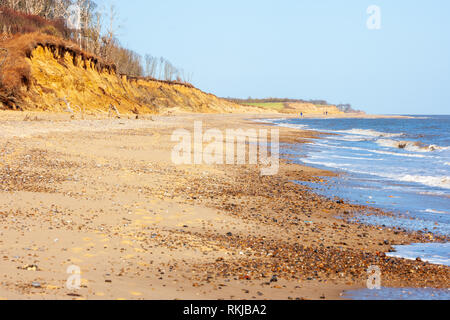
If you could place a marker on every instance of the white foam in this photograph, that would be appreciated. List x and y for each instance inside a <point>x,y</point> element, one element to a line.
<point>328,164</point>
<point>341,147</point>
<point>409,155</point>
<point>268,120</point>
<point>436,253</point>
<point>370,133</point>
<point>434,211</point>
<point>435,193</point>
<point>349,138</point>
<point>432,181</point>
<point>295,126</point>
<point>354,158</point>
<point>409,145</point>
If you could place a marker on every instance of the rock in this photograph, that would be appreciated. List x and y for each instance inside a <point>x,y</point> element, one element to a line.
<point>30,267</point>
<point>274,279</point>
<point>73,295</point>
<point>229,234</point>
<point>36,284</point>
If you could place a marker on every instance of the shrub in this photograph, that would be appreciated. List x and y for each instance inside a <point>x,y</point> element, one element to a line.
<point>15,22</point>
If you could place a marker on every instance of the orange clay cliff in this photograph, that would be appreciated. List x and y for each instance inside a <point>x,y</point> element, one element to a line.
<point>39,72</point>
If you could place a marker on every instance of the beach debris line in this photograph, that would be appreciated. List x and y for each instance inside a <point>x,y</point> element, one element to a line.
<point>112,109</point>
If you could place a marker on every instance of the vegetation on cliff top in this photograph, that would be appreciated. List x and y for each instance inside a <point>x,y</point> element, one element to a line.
<point>97,34</point>
<point>283,104</point>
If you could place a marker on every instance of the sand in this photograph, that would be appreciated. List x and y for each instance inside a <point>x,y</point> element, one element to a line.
<point>104,195</point>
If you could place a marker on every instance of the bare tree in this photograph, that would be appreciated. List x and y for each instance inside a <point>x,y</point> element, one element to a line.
<point>12,4</point>
<point>151,65</point>
<point>56,9</point>
<point>160,68</point>
<point>35,7</point>
<point>111,33</point>
<point>95,35</point>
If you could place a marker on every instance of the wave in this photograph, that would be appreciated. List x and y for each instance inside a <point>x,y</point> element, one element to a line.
<point>337,146</point>
<point>295,126</point>
<point>371,133</point>
<point>349,138</point>
<point>430,181</point>
<point>328,164</point>
<point>399,154</point>
<point>354,158</point>
<point>415,146</point>
<point>434,211</point>
<point>372,151</point>
<point>436,253</point>
<point>435,194</point>
<point>362,134</point>
<point>269,120</point>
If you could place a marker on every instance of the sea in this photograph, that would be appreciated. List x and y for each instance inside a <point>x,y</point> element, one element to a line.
<point>400,165</point>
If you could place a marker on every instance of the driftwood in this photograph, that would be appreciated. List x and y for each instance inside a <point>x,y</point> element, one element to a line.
<point>69,109</point>
<point>113,108</point>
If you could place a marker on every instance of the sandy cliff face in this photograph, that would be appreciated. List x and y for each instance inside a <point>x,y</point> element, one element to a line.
<point>56,79</point>
<point>55,76</point>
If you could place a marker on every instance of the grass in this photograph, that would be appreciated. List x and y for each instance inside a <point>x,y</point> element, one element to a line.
<point>278,106</point>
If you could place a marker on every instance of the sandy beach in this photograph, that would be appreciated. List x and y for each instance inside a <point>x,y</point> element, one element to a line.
<point>104,195</point>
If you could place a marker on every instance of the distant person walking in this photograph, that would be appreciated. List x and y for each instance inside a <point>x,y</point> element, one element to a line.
<point>301,115</point>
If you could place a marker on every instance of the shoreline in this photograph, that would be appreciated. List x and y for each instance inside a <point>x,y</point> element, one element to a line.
<point>159,231</point>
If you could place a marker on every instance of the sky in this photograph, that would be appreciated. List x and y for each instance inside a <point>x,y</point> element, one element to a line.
<point>316,49</point>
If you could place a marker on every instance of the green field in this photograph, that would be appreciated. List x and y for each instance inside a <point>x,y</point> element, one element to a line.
<point>278,106</point>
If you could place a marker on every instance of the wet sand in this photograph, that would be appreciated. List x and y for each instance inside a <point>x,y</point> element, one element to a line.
<point>105,196</point>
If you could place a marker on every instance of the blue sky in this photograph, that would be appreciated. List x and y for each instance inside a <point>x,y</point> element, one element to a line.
<point>317,49</point>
